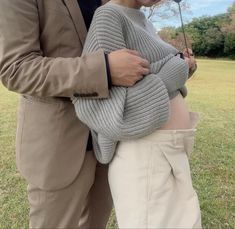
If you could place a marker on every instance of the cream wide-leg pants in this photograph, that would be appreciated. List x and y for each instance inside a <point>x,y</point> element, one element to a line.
<point>151,183</point>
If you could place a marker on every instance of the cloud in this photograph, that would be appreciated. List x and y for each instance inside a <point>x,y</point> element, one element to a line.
<point>209,5</point>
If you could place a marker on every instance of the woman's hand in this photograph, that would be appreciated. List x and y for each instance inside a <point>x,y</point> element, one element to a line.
<point>191,61</point>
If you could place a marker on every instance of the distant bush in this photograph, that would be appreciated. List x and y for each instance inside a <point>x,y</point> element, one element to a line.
<point>207,36</point>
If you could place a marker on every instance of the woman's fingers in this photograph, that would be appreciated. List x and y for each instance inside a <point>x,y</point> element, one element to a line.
<point>188,52</point>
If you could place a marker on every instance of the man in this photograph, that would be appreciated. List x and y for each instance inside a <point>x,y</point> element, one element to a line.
<point>41,43</point>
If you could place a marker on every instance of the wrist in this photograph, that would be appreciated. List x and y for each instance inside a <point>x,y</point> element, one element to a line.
<point>180,55</point>
<point>108,71</point>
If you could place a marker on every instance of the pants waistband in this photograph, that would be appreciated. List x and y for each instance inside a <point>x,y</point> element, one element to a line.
<point>173,135</point>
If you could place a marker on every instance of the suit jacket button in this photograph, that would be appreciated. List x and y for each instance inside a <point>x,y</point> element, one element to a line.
<point>76,95</point>
<point>95,94</point>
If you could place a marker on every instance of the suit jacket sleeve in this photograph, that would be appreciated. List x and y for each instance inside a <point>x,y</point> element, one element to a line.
<point>25,70</point>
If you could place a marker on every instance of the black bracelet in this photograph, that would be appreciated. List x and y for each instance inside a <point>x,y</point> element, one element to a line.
<point>180,54</point>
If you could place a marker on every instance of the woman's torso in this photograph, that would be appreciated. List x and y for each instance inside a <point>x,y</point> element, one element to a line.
<point>137,32</point>
<point>179,115</point>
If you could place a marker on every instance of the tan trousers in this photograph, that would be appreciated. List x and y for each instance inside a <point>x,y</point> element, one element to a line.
<point>86,203</point>
<point>151,184</point>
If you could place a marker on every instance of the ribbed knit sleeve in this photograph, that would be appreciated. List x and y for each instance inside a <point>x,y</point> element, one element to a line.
<point>174,74</point>
<point>156,66</point>
<point>173,71</point>
<point>129,112</point>
<point>106,31</point>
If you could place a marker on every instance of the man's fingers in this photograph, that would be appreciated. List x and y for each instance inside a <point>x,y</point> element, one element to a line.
<point>136,79</point>
<point>132,67</point>
<point>144,63</point>
<point>139,77</point>
<point>145,71</point>
<point>133,52</point>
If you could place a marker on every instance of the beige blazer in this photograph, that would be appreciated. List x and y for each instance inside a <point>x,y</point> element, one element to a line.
<point>41,43</point>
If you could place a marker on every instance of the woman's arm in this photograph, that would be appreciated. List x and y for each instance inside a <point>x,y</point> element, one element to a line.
<point>105,32</point>
<point>173,73</point>
<point>156,66</point>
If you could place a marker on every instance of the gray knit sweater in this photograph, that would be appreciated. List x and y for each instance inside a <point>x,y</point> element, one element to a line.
<point>136,111</point>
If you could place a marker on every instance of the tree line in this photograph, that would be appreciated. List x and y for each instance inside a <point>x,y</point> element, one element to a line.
<point>207,36</point>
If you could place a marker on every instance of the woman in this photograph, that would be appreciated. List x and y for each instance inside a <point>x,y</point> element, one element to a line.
<point>149,175</point>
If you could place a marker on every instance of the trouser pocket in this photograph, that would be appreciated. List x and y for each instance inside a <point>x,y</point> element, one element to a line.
<point>189,144</point>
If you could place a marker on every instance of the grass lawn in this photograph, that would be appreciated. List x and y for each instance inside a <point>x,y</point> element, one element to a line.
<point>211,92</point>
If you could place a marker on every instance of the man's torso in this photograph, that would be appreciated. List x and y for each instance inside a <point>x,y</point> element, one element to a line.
<point>51,141</point>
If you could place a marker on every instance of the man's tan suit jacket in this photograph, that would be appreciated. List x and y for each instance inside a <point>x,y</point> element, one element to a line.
<point>41,43</point>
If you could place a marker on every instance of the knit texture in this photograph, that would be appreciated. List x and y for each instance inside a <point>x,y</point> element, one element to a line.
<point>136,111</point>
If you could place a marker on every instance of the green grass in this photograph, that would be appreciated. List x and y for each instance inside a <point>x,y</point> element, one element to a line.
<point>211,92</point>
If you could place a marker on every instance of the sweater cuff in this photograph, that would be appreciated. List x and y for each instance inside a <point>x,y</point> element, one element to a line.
<point>172,95</point>
<point>108,71</point>
<point>183,91</point>
<point>180,55</point>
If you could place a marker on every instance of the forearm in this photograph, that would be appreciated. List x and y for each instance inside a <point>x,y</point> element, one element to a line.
<point>48,77</point>
<point>183,91</point>
<point>174,74</point>
<point>130,112</point>
<point>24,68</point>
<point>156,66</point>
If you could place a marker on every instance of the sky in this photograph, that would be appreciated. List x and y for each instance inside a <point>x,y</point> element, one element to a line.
<point>197,9</point>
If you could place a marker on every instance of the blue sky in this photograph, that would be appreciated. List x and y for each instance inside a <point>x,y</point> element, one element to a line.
<point>198,8</point>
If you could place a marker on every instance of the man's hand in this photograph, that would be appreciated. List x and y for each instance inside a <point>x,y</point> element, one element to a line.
<point>127,67</point>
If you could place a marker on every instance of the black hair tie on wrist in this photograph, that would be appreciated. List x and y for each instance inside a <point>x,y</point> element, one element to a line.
<point>180,54</point>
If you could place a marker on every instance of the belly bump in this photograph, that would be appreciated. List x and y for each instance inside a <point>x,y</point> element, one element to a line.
<point>179,115</point>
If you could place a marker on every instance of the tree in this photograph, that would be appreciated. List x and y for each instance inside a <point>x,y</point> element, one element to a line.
<point>175,38</point>
<point>229,30</point>
<point>207,36</point>
<point>165,9</point>
<point>229,44</point>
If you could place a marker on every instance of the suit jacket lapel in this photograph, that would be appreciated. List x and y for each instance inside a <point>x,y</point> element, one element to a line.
<point>78,20</point>
<point>104,1</point>
<point>77,17</point>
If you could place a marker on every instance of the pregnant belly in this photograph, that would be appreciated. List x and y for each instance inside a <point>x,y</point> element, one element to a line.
<point>179,115</point>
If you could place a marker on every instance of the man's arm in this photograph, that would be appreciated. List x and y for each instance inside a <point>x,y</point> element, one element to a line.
<point>24,69</point>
